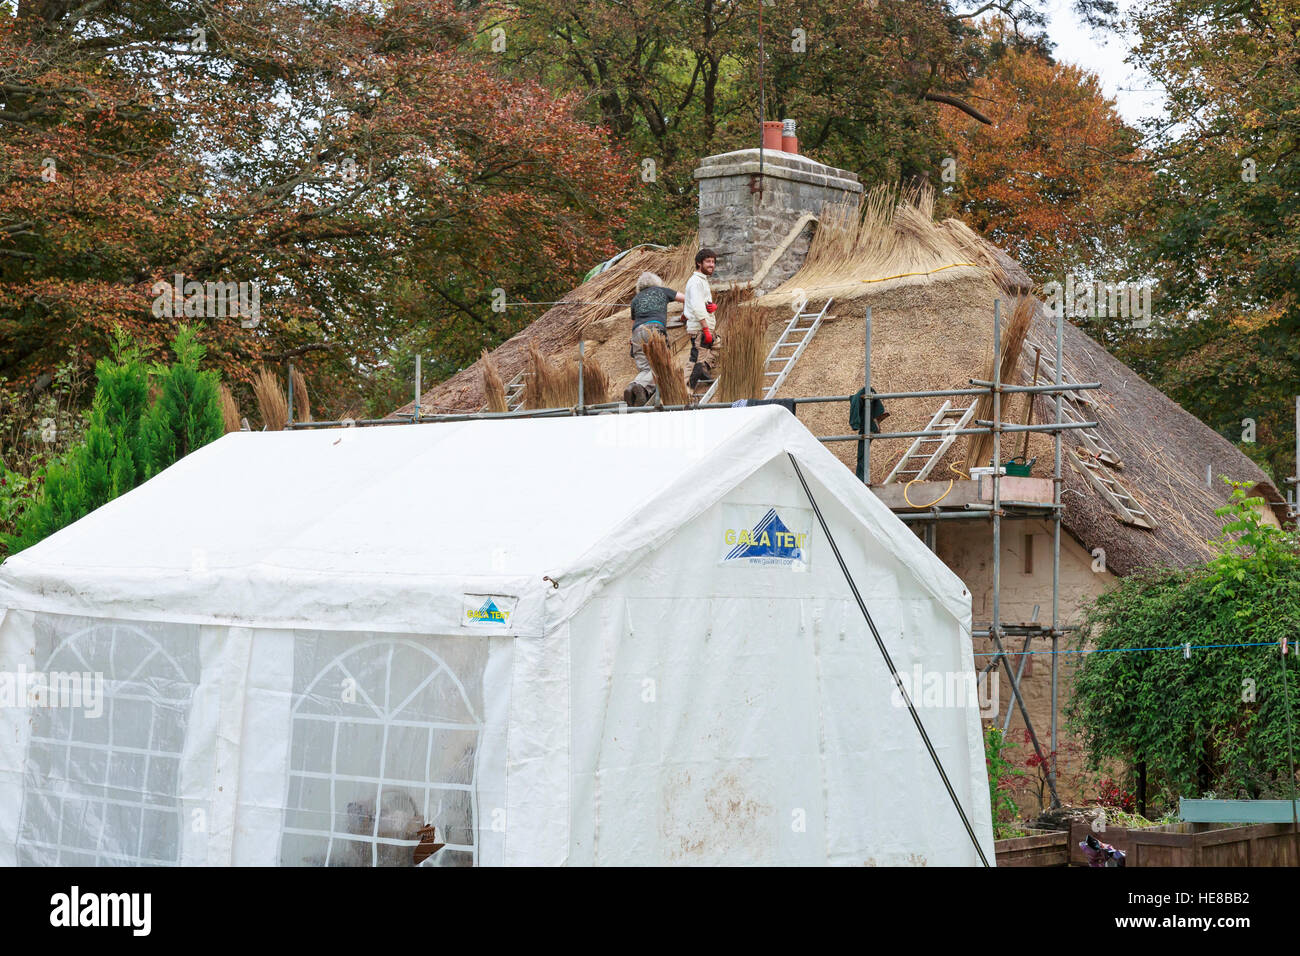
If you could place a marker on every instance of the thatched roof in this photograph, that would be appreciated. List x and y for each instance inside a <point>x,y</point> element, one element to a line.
<point>931,288</point>
<point>1166,452</point>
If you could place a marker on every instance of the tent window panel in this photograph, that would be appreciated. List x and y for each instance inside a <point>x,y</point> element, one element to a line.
<point>91,782</point>
<point>385,736</point>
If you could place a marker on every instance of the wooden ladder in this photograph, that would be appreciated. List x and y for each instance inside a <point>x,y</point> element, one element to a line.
<point>796,335</point>
<point>1047,359</point>
<point>1129,508</point>
<point>1075,407</point>
<point>948,419</point>
<point>1092,439</point>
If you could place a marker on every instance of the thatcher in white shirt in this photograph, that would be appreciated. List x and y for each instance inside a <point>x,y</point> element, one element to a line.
<point>698,297</point>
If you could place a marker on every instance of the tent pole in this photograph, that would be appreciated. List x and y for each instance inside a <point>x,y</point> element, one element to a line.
<point>889,662</point>
<point>290,421</point>
<point>581,351</point>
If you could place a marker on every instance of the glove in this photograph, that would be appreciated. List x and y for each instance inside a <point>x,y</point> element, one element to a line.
<point>711,307</point>
<point>707,337</point>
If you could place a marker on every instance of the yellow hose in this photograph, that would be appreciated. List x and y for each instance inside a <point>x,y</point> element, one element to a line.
<point>951,483</point>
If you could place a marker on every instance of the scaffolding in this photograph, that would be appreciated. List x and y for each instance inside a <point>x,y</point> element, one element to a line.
<point>996,512</point>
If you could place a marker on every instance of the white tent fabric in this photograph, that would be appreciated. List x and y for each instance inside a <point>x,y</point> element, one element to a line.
<point>618,639</point>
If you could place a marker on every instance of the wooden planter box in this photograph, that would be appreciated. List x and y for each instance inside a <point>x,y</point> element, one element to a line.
<point>1042,848</point>
<point>1195,844</point>
<point>1216,844</point>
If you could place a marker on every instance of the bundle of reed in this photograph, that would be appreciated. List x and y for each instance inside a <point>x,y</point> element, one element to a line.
<point>596,385</point>
<point>743,355</point>
<point>979,449</point>
<point>229,409</point>
<point>669,378</point>
<point>728,301</point>
<point>493,388</point>
<point>301,401</point>
<point>892,239</point>
<point>549,384</point>
<point>271,402</point>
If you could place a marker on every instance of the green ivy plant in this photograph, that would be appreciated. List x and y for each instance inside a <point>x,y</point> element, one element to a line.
<point>1214,720</point>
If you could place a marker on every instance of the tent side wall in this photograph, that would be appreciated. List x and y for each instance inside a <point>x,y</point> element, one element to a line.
<point>735,710</point>
<point>215,745</point>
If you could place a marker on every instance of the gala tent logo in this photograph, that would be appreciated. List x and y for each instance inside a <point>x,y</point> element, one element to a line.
<point>488,610</point>
<point>769,542</point>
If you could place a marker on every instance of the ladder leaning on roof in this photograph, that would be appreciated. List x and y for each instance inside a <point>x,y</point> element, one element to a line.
<point>1074,407</point>
<point>796,335</point>
<point>946,420</point>
<point>1095,453</point>
<point>1129,508</point>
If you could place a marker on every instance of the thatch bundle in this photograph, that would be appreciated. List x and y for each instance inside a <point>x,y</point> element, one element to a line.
<point>596,385</point>
<point>741,361</point>
<point>668,377</point>
<point>493,387</point>
<point>979,449</point>
<point>892,240</point>
<point>229,409</point>
<point>547,384</point>
<point>554,383</point>
<point>271,401</point>
<point>301,400</point>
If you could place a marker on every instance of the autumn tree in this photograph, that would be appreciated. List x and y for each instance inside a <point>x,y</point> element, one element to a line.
<point>676,80</point>
<point>1225,242</point>
<point>373,176</point>
<point>1055,179</point>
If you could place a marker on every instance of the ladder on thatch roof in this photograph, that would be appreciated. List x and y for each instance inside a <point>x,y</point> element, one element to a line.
<point>704,391</point>
<point>796,335</point>
<point>780,362</point>
<point>1090,437</point>
<point>1129,509</point>
<point>1047,358</point>
<point>926,451</point>
<point>1073,408</point>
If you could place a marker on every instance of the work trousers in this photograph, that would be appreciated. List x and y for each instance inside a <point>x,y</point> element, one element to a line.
<point>700,355</point>
<point>644,375</point>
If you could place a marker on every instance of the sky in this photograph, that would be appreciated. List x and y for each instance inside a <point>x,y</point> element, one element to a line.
<point>1102,52</point>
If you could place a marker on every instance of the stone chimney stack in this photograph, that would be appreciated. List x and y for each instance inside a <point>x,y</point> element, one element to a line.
<point>747,228</point>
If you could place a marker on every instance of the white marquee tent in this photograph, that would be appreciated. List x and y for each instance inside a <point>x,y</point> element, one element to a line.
<point>621,639</point>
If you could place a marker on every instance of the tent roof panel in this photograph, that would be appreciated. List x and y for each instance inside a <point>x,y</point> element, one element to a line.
<point>341,527</point>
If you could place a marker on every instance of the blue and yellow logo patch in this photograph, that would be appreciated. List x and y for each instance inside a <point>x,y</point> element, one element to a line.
<point>769,541</point>
<point>489,613</point>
